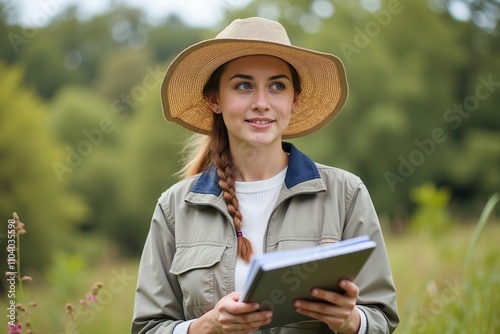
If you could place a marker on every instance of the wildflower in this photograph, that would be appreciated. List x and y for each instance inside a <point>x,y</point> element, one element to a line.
<point>19,226</point>
<point>96,287</point>
<point>20,307</point>
<point>91,298</point>
<point>15,329</point>
<point>70,308</point>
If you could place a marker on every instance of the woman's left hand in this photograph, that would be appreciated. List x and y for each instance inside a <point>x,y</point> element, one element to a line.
<point>338,311</point>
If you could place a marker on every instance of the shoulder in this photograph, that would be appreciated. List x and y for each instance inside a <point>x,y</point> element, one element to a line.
<point>343,184</point>
<point>334,175</point>
<point>178,190</point>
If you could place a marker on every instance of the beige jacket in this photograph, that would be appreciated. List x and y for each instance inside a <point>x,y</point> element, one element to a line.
<point>190,253</point>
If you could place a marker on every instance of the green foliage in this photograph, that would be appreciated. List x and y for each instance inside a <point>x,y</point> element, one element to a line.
<point>461,301</point>
<point>150,158</point>
<point>65,273</point>
<point>75,109</point>
<point>431,215</point>
<point>483,219</point>
<point>406,80</point>
<point>111,82</point>
<point>28,183</point>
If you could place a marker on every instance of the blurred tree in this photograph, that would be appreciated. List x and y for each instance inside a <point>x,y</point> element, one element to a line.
<point>44,63</point>
<point>75,111</point>
<point>483,13</point>
<point>422,105</point>
<point>7,52</point>
<point>120,70</point>
<point>28,184</point>
<point>149,160</point>
<point>431,215</point>
<point>87,125</point>
<point>170,38</point>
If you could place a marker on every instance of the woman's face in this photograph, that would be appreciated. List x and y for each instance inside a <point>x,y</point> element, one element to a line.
<point>256,98</point>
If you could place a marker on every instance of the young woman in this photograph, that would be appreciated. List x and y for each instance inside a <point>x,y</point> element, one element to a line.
<point>247,192</point>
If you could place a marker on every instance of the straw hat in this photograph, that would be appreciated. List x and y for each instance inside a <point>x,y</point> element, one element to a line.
<point>322,75</point>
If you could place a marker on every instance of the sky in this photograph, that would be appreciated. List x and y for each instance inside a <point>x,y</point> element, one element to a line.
<point>200,13</point>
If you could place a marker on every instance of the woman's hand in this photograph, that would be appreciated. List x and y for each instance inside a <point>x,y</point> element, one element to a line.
<point>337,311</point>
<point>231,316</point>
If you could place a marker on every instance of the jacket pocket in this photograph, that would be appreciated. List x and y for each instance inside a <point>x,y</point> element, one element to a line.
<point>287,244</point>
<point>194,267</point>
<point>295,244</point>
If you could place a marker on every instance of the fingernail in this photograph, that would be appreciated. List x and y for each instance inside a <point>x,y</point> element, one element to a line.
<point>315,292</point>
<point>269,314</point>
<point>297,304</point>
<point>256,306</point>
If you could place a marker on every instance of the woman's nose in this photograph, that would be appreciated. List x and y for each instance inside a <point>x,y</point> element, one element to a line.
<point>260,102</point>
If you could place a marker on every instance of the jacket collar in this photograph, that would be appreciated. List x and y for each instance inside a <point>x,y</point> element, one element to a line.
<point>301,169</point>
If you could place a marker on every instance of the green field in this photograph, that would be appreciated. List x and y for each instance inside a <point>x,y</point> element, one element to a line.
<point>435,295</point>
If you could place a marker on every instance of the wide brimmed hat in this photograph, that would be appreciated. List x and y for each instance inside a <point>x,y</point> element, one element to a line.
<point>322,75</point>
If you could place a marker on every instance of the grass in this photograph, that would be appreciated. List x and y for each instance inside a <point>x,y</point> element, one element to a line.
<point>438,291</point>
<point>111,313</point>
<point>450,283</point>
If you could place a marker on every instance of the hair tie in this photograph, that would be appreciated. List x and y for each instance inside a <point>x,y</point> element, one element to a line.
<point>239,234</point>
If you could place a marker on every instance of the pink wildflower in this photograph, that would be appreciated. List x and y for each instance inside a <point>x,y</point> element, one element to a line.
<point>91,298</point>
<point>15,329</point>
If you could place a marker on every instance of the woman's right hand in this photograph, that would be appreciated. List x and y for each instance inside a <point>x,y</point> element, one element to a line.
<point>231,316</point>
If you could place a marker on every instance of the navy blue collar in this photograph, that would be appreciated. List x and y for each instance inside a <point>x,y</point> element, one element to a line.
<point>300,169</point>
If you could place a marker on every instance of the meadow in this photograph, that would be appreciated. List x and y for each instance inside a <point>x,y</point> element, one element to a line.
<point>440,290</point>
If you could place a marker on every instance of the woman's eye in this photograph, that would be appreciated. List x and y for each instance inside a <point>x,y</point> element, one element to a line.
<point>278,86</point>
<point>243,86</point>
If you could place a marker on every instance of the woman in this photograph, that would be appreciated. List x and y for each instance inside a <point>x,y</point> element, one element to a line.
<point>246,192</point>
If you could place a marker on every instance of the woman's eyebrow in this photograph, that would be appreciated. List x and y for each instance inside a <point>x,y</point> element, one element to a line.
<point>279,76</point>
<point>249,77</point>
<point>241,76</point>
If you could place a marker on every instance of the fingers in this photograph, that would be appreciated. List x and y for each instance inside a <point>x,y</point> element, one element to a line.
<point>348,299</point>
<point>350,288</point>
<point>231,305</point>
<point>337,310</point>
<point>235,317</point>
<point>247,322</point>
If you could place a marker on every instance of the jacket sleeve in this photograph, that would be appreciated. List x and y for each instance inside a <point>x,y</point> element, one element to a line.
<point>158,299</point>
<point>377,295</point>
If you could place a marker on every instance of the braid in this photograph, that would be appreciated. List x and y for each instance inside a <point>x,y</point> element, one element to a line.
<point>225,170</point>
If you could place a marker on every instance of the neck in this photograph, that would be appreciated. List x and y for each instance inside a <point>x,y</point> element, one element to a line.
<point>254,163</point>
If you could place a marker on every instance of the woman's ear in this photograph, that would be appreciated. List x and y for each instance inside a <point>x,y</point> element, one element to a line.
<point>213,103</point>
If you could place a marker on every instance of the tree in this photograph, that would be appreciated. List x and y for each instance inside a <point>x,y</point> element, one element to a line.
<point>29,185</point>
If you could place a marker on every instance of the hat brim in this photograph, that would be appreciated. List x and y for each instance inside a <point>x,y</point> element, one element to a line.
<point>323,81</point>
